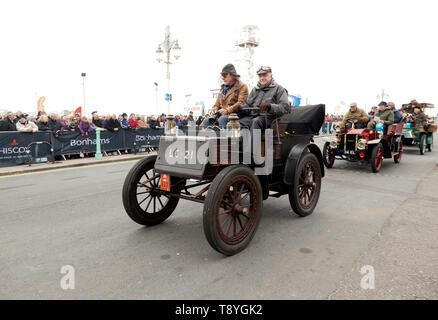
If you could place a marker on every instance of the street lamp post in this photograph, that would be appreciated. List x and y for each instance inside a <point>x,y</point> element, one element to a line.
<point>168,45</point>
<point>83,92</point>
<point>382,96</point>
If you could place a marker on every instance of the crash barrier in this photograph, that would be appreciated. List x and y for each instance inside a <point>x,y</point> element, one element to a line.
<point>14,146</point>
<point>17,147</point>
<point>33,155</point>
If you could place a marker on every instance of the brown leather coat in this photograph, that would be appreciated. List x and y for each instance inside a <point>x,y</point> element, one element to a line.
<point>418,119</point>
<point>235,96</point>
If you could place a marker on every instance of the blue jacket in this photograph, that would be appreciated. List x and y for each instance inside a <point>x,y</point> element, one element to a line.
<point>397,115</point>
<point>124,123</point>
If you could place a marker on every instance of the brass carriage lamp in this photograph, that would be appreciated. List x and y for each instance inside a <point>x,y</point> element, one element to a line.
<point>170,126</point>
<point>233,126</point>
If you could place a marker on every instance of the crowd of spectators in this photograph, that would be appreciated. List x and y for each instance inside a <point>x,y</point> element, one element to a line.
<point>19,121</point>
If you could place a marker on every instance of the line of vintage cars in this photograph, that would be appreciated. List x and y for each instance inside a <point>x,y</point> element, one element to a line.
<point>231,192</point>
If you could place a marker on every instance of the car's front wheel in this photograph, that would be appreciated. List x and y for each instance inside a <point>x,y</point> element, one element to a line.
<point>143,201</point>
<point>376,158</point>
<point>423,143</point>
<point>327,155</point>
<point>232,209</point>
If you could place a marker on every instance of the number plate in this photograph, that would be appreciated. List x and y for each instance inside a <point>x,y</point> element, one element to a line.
<point>164,182</point>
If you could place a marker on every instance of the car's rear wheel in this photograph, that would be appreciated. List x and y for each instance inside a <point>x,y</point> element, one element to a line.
<point>327,155</point>
<point>304,193</point>
<point>143,201</point>
<point>232,209</point>
<point>423,144</point>
<point>376,158</point>
<point>397,157</point>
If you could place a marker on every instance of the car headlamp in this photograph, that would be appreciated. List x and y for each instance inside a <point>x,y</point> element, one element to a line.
<point>333,143</point>
<point>233,126</point>
<point>361,144</point>
<point>170,126</point>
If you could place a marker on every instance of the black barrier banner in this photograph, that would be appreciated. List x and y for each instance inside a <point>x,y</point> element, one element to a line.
<point>141,138</point>
<point>13,146</point>
<point>74,142</point>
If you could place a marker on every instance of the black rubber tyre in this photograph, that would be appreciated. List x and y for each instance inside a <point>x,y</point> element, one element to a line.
<point>162,205</point>
<point>304,193</point>
<point>376,158</point>
<point>327,155</point>
<point>422,144</point>
<point>397,157</point>
<point>430,145</point>
<point>225,206</point>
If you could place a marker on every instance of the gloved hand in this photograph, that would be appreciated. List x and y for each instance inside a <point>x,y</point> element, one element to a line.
<point>265,107</point>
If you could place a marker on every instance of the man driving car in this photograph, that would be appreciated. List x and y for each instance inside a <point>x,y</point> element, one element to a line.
<point>355,115</point>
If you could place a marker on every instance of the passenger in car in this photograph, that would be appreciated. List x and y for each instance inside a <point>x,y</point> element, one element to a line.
<point>383,114</point>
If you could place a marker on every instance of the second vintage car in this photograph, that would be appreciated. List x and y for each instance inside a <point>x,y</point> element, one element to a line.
<point>364,145</point>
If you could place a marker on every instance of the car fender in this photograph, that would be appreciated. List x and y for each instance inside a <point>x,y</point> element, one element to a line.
<point>294,157</point>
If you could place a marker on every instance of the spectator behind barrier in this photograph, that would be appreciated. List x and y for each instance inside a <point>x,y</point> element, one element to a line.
<point>133,123</point>
<point>124,123</point>
<point>73,127</point>
<point>43,124</point>
<point>85,126</point>
<point>26,126</point>
<point>17,116</point>
<point>54,124</point>
<point>153,123</point>
<point>142,123</point>
<point>96,122</point>
<point>112,124</point>
<point>7,124</point>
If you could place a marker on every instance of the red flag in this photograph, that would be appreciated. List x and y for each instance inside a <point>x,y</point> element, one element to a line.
<point>79,110</point>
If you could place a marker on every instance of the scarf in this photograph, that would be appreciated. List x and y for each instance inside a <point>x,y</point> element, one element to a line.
<point>266,85</point>
<point>226,88</point>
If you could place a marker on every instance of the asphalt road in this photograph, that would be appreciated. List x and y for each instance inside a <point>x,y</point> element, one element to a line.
<point>75,217</point>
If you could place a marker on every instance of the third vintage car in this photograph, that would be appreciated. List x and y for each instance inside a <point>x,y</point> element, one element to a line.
<point>422,136</point>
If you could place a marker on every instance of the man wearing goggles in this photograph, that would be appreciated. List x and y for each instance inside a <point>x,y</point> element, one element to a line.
<point>269,97</point>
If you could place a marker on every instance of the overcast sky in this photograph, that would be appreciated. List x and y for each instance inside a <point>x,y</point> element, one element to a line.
<point>327,51</point>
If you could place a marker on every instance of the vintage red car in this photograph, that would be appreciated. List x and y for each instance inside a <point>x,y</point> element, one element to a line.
<point>364,145</point>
